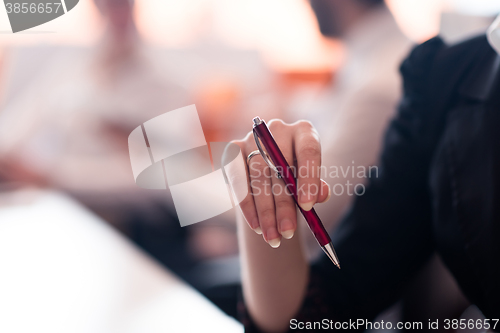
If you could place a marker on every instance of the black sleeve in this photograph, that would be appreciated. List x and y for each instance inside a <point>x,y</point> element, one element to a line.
<point>386,237</point>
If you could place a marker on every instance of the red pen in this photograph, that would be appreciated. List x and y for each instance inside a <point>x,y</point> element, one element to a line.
<point>277,162</point>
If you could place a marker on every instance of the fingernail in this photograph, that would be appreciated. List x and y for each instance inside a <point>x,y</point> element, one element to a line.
<point>307,206</point>
<point>258,230</point>
<point>329,194</point>
<point>286,227</point>
<point>288,234</point>
<point>274,242</point>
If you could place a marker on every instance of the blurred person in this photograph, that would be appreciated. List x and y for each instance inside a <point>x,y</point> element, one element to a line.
<point>85,102</point>
<point>67,127</point>
<point>121,31</point>
<point>436,192</point>
<point>352,114</point>
<point>133,87</point>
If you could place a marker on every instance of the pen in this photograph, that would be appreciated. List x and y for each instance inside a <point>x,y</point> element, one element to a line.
<point>277,162</point>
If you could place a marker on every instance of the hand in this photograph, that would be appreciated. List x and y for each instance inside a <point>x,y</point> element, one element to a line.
<point>269,209</point>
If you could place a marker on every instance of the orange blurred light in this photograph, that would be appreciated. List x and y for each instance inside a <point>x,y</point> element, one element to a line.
<point>284,31</point>
<point>171,23</point>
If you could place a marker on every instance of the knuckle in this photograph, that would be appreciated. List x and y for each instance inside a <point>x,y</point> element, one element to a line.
<point>267,213</point>
<point>276,124</point>
<point>247,203</point>
<point>248,139</point>
<point>305,124</point>
<point>306,128</point>
<point>239,143</point>
<point>310,150</point>
<point>259,167</point>
<point>283,202</point>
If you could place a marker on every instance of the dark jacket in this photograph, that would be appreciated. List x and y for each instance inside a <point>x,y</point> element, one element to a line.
<point>438,190</point>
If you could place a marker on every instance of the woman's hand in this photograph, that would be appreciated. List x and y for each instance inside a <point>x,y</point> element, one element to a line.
<point>268,209</point>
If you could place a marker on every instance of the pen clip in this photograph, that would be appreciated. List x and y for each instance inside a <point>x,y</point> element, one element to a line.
<point>264,153</point>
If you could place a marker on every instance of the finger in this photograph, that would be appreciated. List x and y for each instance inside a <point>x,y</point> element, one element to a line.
<point>325,193</point>
<point>235,177</point>
<point>286,213</point>
<point>307,150</point>
<point>260,183</point>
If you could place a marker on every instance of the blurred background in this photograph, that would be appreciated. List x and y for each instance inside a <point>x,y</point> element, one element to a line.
<point>72,90</point>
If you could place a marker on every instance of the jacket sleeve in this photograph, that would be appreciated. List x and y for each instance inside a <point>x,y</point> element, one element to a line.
<point>386,237</point>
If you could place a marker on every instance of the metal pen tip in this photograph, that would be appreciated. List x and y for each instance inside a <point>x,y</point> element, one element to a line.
<point>330,252</point>
<point>257,121</point>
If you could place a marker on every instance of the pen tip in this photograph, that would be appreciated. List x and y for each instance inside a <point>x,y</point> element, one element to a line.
<point>330,252</point>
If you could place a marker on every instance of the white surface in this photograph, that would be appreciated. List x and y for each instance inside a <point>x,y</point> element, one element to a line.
<point>63,270</point>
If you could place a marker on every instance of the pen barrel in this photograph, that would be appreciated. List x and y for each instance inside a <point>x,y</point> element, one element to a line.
<point>316,226</point>
<point>286,173</point>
